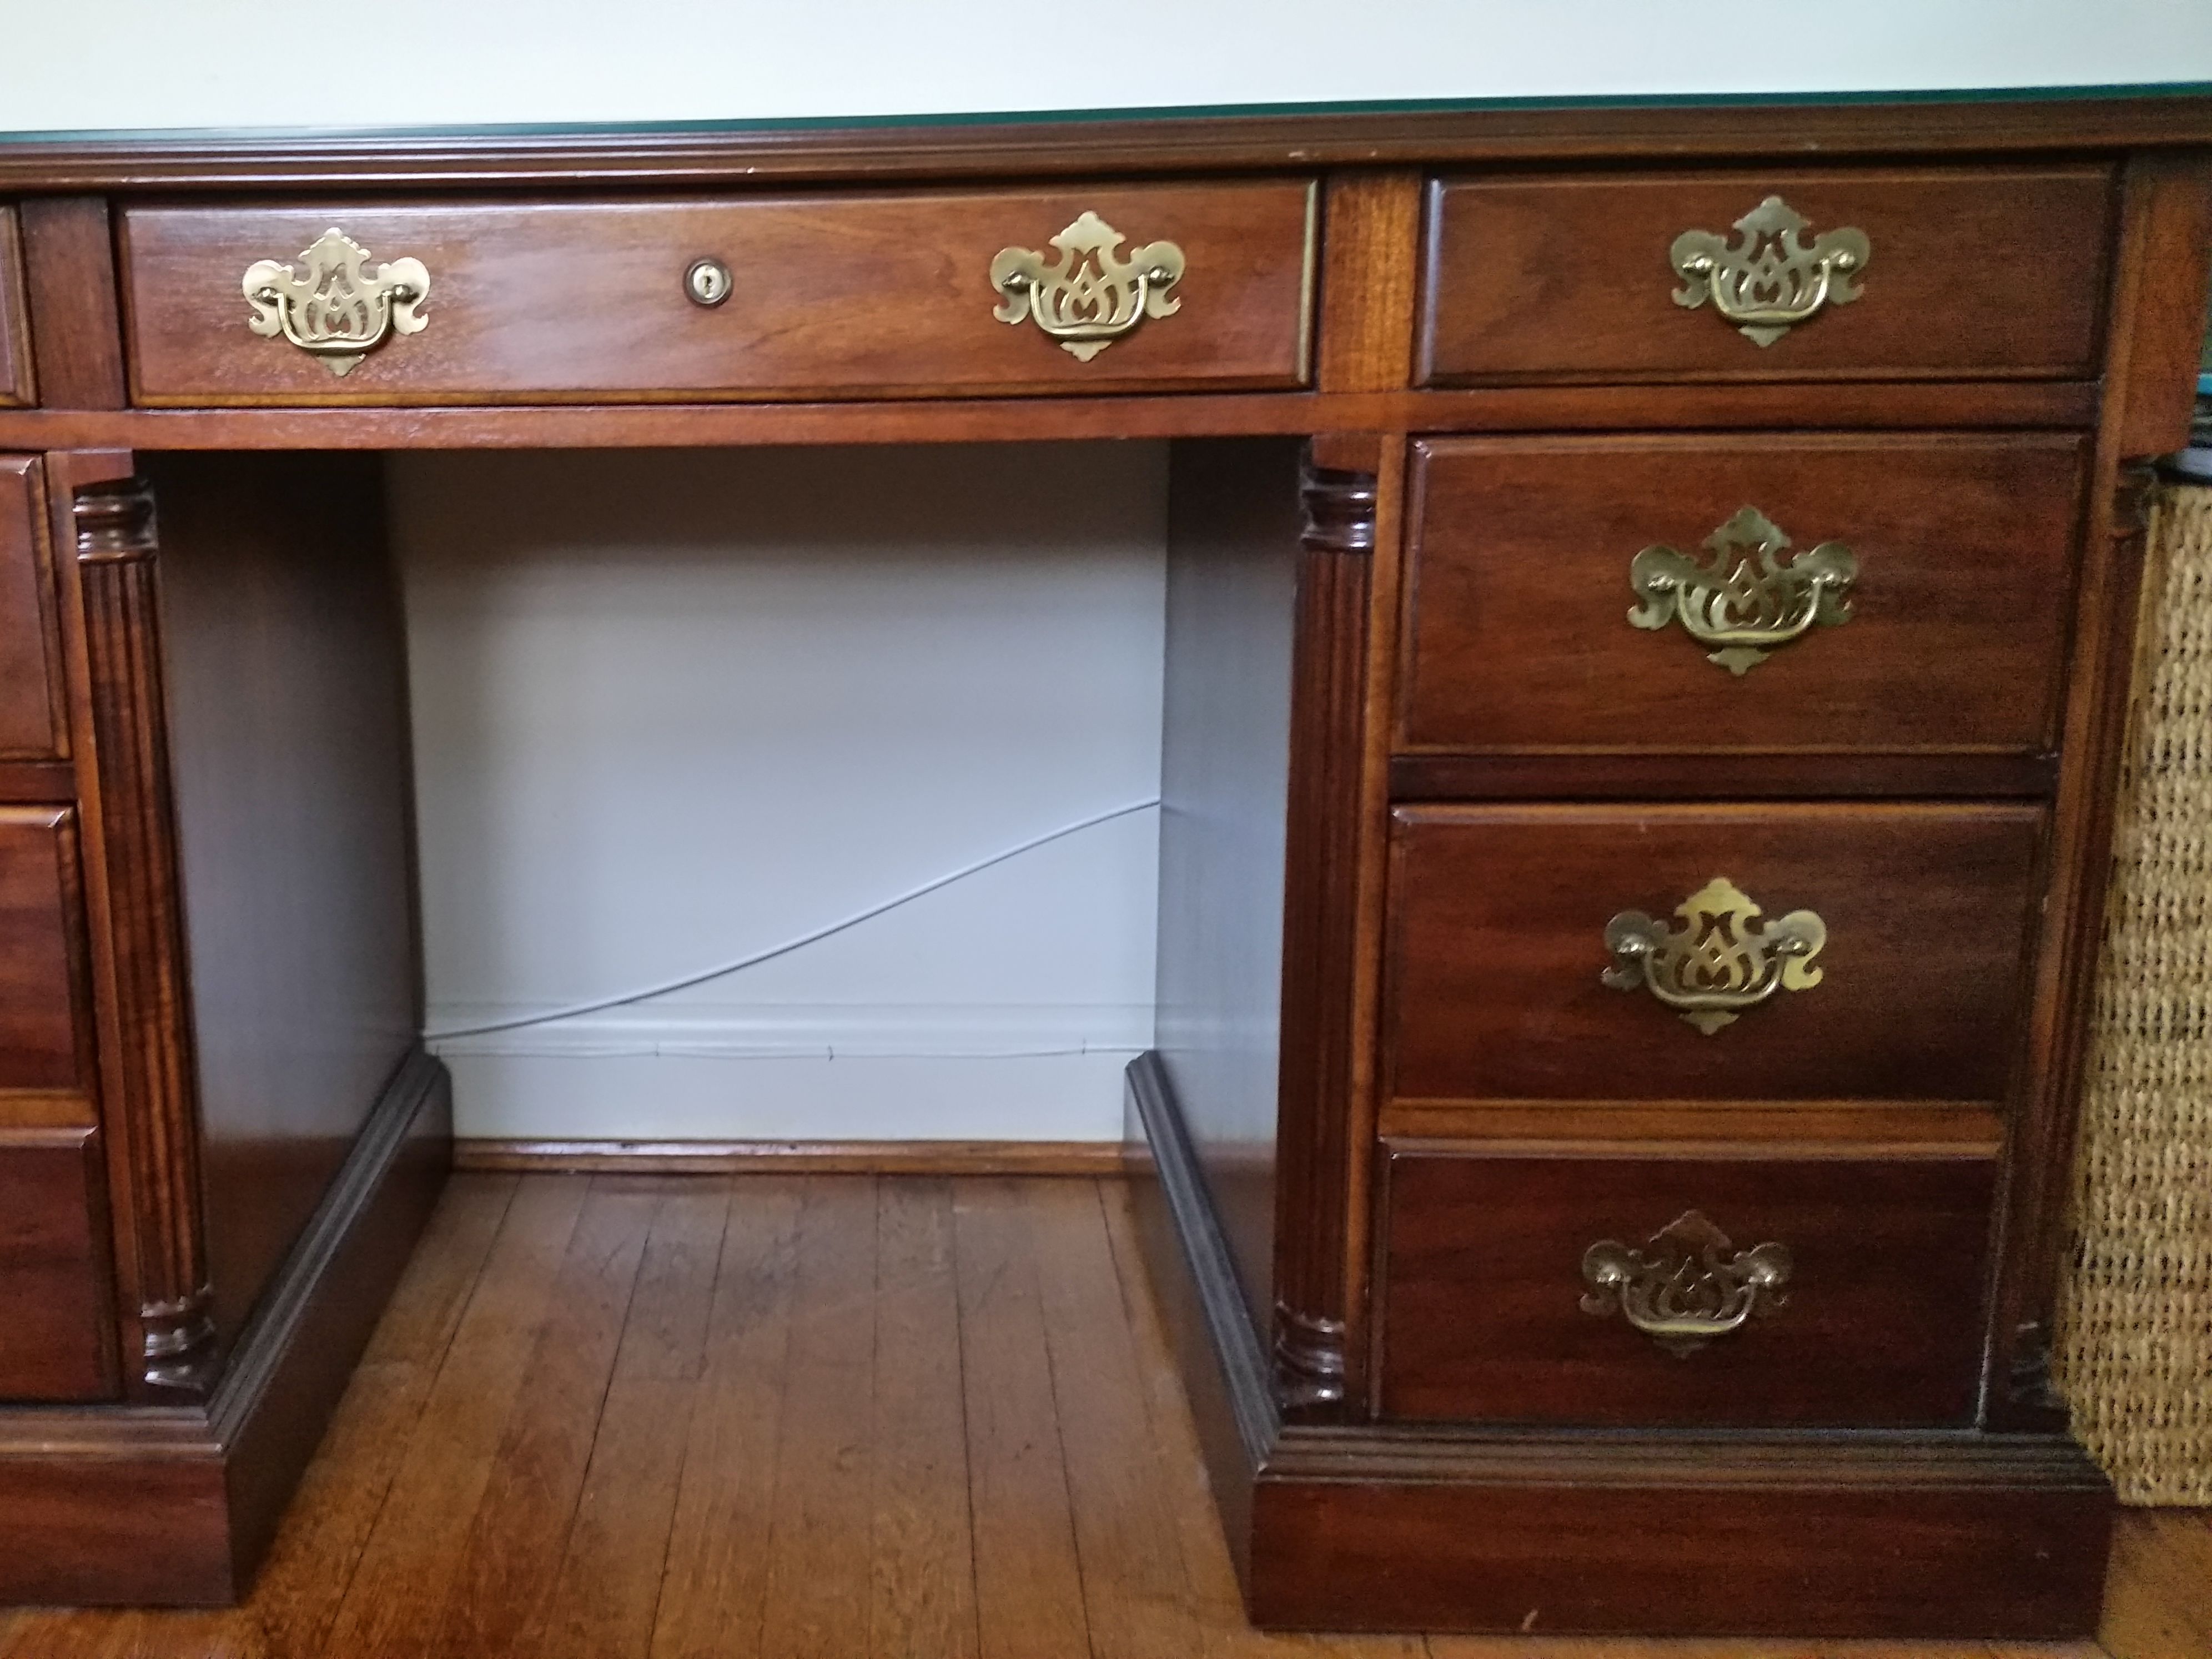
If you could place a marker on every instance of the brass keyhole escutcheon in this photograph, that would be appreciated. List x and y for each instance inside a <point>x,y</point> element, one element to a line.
<point>706,283</point>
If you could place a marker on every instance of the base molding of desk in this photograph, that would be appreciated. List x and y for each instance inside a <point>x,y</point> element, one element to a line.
<point>1090,1159</point>
<point>176,1505</point>
<point>1361,1525</point>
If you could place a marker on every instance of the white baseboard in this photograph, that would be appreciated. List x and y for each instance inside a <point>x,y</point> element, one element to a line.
<point>796,1071</point>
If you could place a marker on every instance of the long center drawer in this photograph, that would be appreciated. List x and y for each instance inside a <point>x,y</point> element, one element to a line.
<point>830,295</point>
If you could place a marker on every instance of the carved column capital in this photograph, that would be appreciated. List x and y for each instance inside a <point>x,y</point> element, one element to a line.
<point>1339,509</point>
<point>114,522</point>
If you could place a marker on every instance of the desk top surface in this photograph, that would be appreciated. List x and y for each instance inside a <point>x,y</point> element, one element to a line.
<point>1164,140</point>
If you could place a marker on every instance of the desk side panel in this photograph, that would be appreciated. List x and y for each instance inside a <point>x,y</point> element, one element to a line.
<point>294,800</point>
<point>1233,548</point>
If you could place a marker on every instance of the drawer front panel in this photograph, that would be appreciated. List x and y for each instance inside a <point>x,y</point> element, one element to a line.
<point>30,668</point>
<point>831,295</point>
<point>1921,605</point>
<point>16,387</point>
<point>44,1030</point>
<point>1965,272</point>
<point>1870,1314</point>
<point>1500,921</point>
<point>54,1303</point>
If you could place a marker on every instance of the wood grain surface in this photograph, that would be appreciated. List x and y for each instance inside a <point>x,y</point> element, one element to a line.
<point>844,294</point>
<point>666,1552</point>
<point>1498,944</point>
<point>32,712</point>
<point>76,324</point>
<point>290,772</point>
<point>57,1338</point>
<point>1972,273</point>
<point>1519,637</point>
<point>17,387</point>
<point>1880,1326</point>
<point>46,1017</point>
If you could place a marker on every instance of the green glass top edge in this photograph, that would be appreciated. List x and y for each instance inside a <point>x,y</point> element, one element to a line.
<point>1144,112</point>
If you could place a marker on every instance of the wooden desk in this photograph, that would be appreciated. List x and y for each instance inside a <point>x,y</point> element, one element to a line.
<point>1608,1135</point>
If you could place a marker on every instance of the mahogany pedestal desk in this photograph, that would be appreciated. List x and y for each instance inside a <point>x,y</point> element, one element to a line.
<point>1651,598</point>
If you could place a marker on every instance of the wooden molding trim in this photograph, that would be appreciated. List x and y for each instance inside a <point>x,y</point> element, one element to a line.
<point>1140,141</point>
<point>1091,1158</point>
<point>1720,406</point>
<point>1226,1342</point>
<point>101,1507</point>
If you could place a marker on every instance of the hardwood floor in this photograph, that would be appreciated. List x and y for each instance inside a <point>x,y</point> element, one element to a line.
<point>815,1417</point>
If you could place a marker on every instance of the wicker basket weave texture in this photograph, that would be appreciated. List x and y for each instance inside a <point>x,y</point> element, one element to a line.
<point>2134,1347</point>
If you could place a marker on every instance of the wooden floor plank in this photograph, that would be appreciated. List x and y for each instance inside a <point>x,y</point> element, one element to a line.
<point>915,1418</point>
<point>328,1526</point>
<point>603,1603</point>
<point>2158,1597</point>
<point>1028,1586</point>
<point>818,1588</point>
<point>1135,1596</point>
<point>425,1311</point>
<point>1623,1647</point>
<point>715,1583</point>
<point>1217,1603</point>
<point>47,1633</point>
<point>512,1552</point>
<point>922,1591</point>
<point>398,1589</point>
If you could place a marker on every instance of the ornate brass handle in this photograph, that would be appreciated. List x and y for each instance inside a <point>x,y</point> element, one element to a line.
<point>1687,1285</point>
<point>1717,964</point>
<point>1088,297</point>
<point>1771,279</point>
<point>1746,601</point>
<point>336,307</point>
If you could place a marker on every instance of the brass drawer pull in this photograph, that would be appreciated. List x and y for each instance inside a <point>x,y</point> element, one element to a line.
<point>1717,964</point>
<point>1088,297</point>
<point>337,309</point>
<point>1771,281</point>
<point>1746,601</point>
<point>1689,1285</point>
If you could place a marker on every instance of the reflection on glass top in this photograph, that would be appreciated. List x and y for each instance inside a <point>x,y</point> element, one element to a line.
<point>707,129</point>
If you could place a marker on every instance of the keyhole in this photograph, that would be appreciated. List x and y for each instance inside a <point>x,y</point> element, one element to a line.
<point>707,281</point>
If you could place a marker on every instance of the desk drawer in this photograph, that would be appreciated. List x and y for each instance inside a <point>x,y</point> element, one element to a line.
<point>54,1300</point>
<point>1528,1288</point>
<point>15,389</point>
<point>1959,272</point>
<point>830,295</point>
<point>31,718</point>
<point>54,1325</point>
<point>1918,597</point>
<point>1502,920</point>
<point>46,1038</point>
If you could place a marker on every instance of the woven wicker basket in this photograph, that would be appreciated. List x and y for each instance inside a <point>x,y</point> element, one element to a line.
<point>2135,1334</point>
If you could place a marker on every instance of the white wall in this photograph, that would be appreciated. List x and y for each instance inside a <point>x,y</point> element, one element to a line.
<point>671,708</point>
<point>243,63</point>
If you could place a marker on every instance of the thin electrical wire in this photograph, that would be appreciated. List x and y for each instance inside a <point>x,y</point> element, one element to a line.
<point>576,1011</point>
